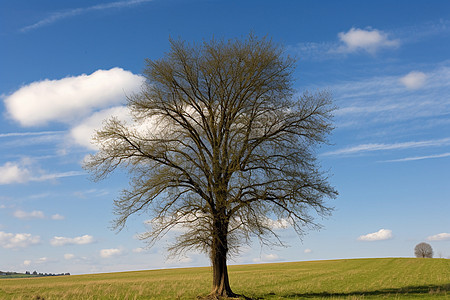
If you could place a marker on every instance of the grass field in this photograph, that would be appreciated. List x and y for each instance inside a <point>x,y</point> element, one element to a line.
<point>383,278</point>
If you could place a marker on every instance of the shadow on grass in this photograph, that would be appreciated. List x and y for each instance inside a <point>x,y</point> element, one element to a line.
<point>409,290</point>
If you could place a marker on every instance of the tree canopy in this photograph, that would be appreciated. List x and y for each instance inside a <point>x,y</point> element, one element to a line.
<point>423,250</point>
<point>221,145</point>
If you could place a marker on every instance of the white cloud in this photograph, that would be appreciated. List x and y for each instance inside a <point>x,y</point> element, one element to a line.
<point>107,253</point>
<point>27,262</point>
<point>66,100</point>
<point>83,132</point>
<point>12,172</point>
<point>394,146</point>
<point>276,224</point>
<point>439,237</point>
<point>138,250</point>
<point>57,217</point>
<point>419,157</point>
<point>68,256</point>
<point>370,40</point>
<point>375,103</point>
<point>24,134</point>
<point>267,258</point>
<point>80,240</point>
<point>42,260</point>
<point>78,11</point>
<point>18,240</point>
<point>27,171</point>
<point>307,251</point>
<point>380,235</point>
<point>414,80</point>
<point>35,214</point>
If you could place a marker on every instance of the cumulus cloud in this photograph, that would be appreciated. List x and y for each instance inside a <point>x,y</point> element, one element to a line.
<point>439,237</point>
<point>80,240</point>
<point>18,240</point>
<point>370,40</point>
<point>83,132</point>
<point>12,172</point>
<point>138,250</point>
<point>66,100</point>
<point>380,235</point>
<point>307,251</point>
<point>414,80</point>
<point>35,214</point>
<point>107,253</point>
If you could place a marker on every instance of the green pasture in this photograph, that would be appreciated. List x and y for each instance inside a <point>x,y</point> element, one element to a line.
<point>383,278</point>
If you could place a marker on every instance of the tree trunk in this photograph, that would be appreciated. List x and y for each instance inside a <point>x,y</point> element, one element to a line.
<point>221,285</point>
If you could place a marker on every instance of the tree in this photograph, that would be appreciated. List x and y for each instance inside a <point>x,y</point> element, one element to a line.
<point>423,250</point>
<point>220,146</point>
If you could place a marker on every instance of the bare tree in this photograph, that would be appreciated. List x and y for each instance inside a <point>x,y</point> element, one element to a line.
<point>220,146</point>
<point>423,250</point>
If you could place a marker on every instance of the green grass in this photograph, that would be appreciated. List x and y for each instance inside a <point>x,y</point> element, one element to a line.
<point>384,278</point>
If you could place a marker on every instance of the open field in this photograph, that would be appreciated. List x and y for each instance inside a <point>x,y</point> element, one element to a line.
<point>384,278</point>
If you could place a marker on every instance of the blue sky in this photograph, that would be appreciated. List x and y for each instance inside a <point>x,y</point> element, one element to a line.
<point>67,65</point>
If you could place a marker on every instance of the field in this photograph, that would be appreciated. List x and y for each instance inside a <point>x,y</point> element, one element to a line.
<point>383,278</point>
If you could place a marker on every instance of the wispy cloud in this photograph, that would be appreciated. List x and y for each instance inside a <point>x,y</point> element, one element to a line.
<point>394,146</point>
<point>419,157</point>
<point>25,171</point>
<point>58,16</point>
<point>390,99</point>
<point>22,134</point>
<point>380,235</point>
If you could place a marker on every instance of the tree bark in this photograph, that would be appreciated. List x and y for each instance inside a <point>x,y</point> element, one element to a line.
<point>221,285</point>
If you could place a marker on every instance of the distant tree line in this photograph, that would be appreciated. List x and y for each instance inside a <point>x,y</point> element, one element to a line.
<point>28,274</point>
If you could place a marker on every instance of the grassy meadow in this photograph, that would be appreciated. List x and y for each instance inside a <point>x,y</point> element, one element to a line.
<point>382,278</point>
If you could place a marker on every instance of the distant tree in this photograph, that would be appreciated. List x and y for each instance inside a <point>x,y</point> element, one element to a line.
<point>35,273</point>
<point>219,146</point>
<point>27,272</point>
<point>423,250</point>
